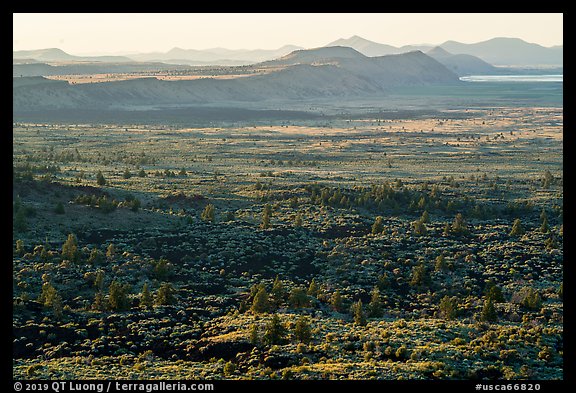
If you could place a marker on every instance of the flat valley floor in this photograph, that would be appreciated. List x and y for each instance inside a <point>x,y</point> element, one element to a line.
<point>421,244</point>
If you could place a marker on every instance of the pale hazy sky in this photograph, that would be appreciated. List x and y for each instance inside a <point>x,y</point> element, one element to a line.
<point>124,33</point>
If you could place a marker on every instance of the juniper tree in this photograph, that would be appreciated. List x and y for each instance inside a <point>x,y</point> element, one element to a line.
<point>254,334</point>
<point>209,213</point>
<point>118,296</point>
<point>146,300</point>
<point>100,180</point>
<point>440,263</point>
<point>419,228</point>
<point>278,291</point>
<point>336,301</point>
<point>111,251</point>
<point>95,256</point>
<point>420,276</point>
<point>165,295</point>
<point>19,248</point>
<point>313,289</point>
<point>70,248</point>
<point>358,313</point>
<point>459,226</point>
<point>488,313</point>
<point>266,215</point>
<point>494,292</point>
<point>448,307</point>
<point>99,280</point>
<point>298,298</point>
<point>302,330</point>
<point>260,303</point>
<point>378,225</point>
<point>517,229</point>
<point>375,306</point>
<point>544,217</point>
<point>275,331</point>
<point>298,220</point>
<point>425,218</point>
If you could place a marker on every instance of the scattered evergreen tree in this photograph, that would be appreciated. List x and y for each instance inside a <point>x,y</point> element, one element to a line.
<point>165,295</point>
<point>19,248</point>
<point>551,243</point>
<point>548,179</point>
<point>488,313</point>
<point>358,313</point>
<point>383,282</point>
<point>261,303</point>
<point>425,218</point>
<point>561,291</point>
<point>118,296</point>
<point>302,330</point>
<point>440,263</point>
<point>254,334</point>
<point>95,256</point>
<point>298,298</point>
<point>532,299</point>
<point>48,295</point>
<point>419,228</point>
<point>99,280</point>
<point>448,307</point>
<point>70,248</point>
<point>378,225</point>
<point>298,220</point>
<point>275,331</point>
<point>146,300</point>
<point>99,302</point>
<point>494,292</point>
<point>278,291</point>
<point>544,228</point>
<point>209,213</point>
<point>459,226</point>
<point>100,180</point>
<point>313,289</point>
<point>111,251</point>
<point>375,309</point>
<point>517,229</point>
<point>266,214</point>
<point>127,174</point>
<point>229,369</point>
<point>420,276</point>
<point>162,269</point>
<point>142,173</point>
<point>336,301</point>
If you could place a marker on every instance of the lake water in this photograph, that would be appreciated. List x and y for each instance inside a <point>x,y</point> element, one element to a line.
<point>513,78</point>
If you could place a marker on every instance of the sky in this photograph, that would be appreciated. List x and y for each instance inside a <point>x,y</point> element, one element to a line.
<point>97,33</point>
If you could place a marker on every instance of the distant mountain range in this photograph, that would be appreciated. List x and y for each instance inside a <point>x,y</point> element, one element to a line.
<point>497,51</point>
<point>58,55</point>
<point>303,74</point>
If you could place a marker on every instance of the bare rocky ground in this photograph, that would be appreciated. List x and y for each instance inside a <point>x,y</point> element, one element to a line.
<point>325,181</point>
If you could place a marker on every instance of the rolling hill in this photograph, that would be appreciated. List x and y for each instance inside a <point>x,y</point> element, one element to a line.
<point>463,64</point>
